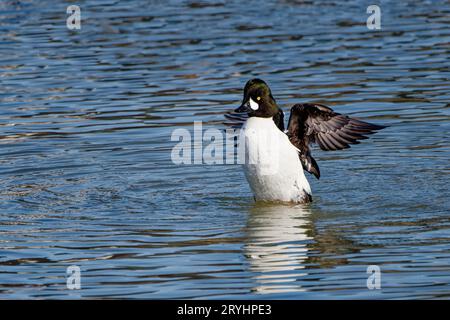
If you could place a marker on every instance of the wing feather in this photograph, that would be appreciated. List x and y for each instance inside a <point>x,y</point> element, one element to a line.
<point>316,123</point>
<point>237,120</point>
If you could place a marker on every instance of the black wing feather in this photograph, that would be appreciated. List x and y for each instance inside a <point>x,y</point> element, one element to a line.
<point>237,120</point>
<point>316,123</point>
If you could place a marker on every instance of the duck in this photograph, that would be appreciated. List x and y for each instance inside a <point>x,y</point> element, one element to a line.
<point>276,157</point>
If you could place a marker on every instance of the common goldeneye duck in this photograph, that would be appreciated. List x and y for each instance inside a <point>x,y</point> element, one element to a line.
<point>275,158</point>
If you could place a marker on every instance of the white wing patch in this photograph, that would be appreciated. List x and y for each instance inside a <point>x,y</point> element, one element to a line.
<point>253,104</point>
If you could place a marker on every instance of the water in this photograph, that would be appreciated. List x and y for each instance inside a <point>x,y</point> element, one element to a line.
<point>86,177</point>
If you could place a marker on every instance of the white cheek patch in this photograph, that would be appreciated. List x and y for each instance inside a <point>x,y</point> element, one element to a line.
<point>253,104</point>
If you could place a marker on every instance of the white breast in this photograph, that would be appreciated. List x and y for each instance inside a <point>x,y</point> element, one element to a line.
<point>272,166</point>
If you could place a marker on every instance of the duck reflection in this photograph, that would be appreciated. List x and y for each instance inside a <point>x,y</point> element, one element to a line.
<point>277,246</point>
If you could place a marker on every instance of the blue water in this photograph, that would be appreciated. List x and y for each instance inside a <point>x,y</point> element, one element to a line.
<point>86,176</point>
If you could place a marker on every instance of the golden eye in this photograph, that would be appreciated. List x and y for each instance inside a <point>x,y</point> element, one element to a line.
<point>258,98</point>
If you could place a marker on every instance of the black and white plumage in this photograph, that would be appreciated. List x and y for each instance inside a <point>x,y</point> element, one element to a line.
<point>308,123</point>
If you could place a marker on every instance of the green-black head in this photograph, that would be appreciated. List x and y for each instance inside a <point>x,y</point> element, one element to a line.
<point>258,100</point>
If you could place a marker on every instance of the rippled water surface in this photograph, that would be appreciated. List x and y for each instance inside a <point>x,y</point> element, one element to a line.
<point>86,176</point>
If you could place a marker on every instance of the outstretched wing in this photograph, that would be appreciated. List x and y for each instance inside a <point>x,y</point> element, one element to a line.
<point>316,123</point>
<point>237,120</point>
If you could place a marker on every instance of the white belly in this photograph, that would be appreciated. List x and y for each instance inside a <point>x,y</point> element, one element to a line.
<point>272,166</point>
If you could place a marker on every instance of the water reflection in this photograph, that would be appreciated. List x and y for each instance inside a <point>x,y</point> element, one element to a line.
<point>277,246</point>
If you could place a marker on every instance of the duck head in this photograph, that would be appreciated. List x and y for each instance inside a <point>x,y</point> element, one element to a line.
<point>258,100</point>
